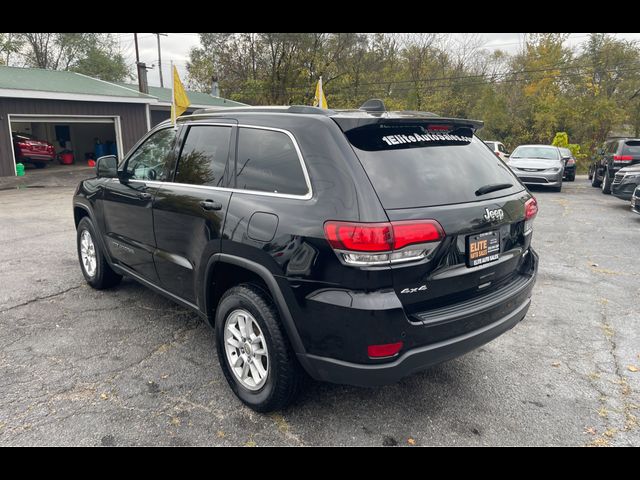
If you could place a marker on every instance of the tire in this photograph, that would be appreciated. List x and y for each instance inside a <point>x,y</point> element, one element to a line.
<point>284,375</point>
<point>594,180</point>
<point>606,183</point>
<point>572,177</point>
<point>101,275</point>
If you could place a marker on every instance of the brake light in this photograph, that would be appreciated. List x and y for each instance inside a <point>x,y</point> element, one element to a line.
<point>23,145</point>
<point>363,237</point>
<point>571,161</point>
<point>530,212</point>
<point>439,127</point>
<point>530,208</point>
<point>622,158</point>
<point>386,350</point>
<point>383,243</point>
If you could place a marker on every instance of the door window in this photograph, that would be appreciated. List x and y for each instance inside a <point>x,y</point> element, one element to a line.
<point>149,161</point>
<point>203,160</point>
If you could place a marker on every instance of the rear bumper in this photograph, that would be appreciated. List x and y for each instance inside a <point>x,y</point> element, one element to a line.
<point>512,310</point>
<point>337,371</point>
<point>36,158</point>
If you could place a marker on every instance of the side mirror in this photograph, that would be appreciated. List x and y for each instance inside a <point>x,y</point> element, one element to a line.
<point>107,167</point>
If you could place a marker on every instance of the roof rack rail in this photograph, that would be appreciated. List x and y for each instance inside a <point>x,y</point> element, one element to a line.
<point>305,109</point>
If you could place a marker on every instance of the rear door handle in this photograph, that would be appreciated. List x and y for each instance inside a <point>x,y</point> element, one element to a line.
<point>144,196</point>
<point>210,205</point>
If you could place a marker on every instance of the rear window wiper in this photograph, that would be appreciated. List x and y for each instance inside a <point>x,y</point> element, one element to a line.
<point>492,187</point>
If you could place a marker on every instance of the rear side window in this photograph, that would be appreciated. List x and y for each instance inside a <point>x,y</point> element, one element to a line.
<point>268,162</point>
<point>204,156</point>
<point>427,168</point>
<point>631,147</point>
<point>491,145</point>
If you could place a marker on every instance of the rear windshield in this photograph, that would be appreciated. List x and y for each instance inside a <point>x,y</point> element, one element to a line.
<point>410,166</point>
<point>533,151</point>
<point>631,148</point>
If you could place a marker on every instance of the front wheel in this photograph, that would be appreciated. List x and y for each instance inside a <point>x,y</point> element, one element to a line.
<point>95,268</point>
<point>254,352</point>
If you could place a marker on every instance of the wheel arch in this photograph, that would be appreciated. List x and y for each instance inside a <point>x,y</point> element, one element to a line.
<point>254,271</point>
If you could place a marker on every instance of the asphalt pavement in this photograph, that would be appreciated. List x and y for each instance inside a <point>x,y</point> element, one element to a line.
<point>128,367</point>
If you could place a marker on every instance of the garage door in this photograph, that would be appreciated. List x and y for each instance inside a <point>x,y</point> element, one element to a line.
<point>84,129</point>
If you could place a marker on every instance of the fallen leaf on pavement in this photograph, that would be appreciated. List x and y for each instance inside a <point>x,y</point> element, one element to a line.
<point>632,368</point>
<point>411,441</point>
<point>104,396</point>
<point>590,431</point>
<point>555,364</point>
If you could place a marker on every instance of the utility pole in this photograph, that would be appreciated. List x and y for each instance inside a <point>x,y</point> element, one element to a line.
<point>160,57</point>
<point>141,68</point>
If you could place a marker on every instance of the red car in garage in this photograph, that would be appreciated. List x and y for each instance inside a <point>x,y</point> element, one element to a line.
<point>29,149</point>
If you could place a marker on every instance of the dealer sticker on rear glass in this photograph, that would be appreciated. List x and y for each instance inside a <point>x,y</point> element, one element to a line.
<point>483,248</point>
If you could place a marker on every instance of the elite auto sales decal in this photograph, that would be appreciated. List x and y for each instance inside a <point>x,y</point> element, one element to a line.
<point>424,137</point>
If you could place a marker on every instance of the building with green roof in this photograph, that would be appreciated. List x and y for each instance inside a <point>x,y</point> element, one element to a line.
<point>76,112</point>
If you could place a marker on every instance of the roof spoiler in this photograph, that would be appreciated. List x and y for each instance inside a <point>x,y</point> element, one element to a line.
<point>349,123</point>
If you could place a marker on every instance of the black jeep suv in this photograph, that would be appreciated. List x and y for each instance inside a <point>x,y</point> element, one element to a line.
<point>357,246</point>
<point>614,155</point>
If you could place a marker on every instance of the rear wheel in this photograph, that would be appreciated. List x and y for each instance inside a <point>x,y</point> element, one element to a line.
<point>95,268</point>
<point>572,177</point>
<point>594,180</point>
<point>606,183</point>
<point>254,352</point>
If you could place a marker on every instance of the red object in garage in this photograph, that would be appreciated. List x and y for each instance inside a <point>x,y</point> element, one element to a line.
<point>91,162</point>
<point>66,158</point>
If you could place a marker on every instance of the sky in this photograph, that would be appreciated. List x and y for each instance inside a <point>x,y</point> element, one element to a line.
<point>175,47</point>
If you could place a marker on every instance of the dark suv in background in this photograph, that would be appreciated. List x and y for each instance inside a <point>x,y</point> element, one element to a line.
<point>357,246</point>
<point>569,172</point>
<point>614,155</point>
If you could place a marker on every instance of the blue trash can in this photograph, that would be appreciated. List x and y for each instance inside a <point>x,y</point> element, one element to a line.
<point>100,150</point>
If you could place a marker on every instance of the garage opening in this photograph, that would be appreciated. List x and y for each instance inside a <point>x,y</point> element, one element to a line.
<point>55,143</point>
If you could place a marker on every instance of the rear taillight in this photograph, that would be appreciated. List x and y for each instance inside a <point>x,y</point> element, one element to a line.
<point>23,145</point>
<point>530,212</point>
<point>366,244</point>
<point>622,158</point>
<point>571,161</point>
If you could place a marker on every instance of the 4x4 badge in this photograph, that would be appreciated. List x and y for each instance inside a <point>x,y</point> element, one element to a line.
<point>491,215</point>
<point>421,288</point>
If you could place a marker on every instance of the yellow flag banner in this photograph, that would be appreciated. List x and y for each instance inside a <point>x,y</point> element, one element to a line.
<point>180,100</point>
<point>320,100</point>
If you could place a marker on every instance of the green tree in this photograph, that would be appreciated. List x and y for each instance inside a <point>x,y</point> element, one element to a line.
<point>94,54</point>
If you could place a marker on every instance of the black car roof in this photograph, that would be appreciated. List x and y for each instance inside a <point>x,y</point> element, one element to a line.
<point>346,118</point>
